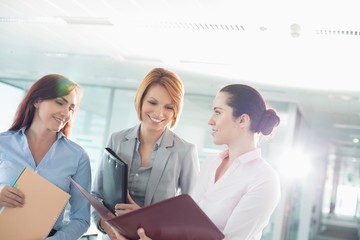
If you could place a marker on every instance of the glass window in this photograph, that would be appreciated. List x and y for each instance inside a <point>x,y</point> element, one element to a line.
<point>90,123</point>
<point>10,98</point>
<point>123,114</point>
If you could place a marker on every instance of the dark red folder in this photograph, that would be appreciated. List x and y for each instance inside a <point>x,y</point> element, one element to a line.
<point>177,218</point>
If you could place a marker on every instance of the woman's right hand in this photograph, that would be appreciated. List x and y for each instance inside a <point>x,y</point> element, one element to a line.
<point>111,232</point>
<point>11,197</point>
<point>122,208</point>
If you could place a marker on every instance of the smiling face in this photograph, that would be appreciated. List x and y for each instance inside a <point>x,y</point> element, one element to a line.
<point>53,114</point>
<point>157,108</point>
<point>223,125</point>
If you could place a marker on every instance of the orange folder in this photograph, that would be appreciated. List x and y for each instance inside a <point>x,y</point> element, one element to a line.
<point>44,201</point>
<point>177,218</point>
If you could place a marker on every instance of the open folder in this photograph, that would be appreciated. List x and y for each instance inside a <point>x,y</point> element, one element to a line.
<point>177,218</point>
<point>44,201</point>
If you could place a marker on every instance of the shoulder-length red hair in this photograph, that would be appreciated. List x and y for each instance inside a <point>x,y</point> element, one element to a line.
<point>48,87</point>
<point>171,82</point>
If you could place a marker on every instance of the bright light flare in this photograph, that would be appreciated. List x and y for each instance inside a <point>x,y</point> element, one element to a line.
<point>294,165</point>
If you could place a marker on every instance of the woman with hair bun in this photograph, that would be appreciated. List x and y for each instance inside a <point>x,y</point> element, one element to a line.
<point>238,189</point>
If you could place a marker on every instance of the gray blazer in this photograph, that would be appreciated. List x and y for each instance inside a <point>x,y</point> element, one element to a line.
<point>174,170</point>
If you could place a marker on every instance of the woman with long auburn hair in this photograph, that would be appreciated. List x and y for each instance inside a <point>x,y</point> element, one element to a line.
<point>38,139</point>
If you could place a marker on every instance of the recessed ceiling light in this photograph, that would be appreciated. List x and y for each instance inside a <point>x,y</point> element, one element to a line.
<point>345,126</point>
<point>263,28</point>
<point>295,30</point>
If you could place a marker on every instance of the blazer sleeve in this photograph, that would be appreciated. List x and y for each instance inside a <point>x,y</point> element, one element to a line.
<point>189,170</point>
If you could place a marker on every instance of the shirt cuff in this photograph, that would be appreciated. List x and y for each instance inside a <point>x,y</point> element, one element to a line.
<point>99,227</point>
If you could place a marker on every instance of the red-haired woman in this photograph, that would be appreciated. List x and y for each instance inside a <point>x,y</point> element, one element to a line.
<point>38,139</point>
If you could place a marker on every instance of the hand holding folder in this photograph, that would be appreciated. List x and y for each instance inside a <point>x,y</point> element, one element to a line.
<point>44,201</point>
<point>177,218</point>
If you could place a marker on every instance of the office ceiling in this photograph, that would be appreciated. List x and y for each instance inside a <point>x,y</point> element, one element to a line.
<point>306,52</point>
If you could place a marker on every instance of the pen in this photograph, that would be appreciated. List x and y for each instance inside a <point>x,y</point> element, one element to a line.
<point>13,182</point>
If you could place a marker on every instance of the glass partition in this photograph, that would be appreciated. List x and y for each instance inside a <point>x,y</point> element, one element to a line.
<point>10,97</point>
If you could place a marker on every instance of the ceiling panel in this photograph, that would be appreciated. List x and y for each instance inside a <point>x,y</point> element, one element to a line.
<point>306,52</point>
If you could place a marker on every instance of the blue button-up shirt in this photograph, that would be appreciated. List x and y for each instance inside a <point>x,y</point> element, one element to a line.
<point>64,158</point>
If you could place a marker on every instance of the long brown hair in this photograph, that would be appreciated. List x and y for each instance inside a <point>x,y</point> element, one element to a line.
<point>48,87</point>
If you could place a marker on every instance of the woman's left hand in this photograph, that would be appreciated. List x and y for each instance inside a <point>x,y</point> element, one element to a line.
<point>140,232</point>
<point>142,235</point>
<point>122,208</point>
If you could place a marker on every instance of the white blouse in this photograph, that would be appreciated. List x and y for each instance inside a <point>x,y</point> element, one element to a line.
<point>241,202</point>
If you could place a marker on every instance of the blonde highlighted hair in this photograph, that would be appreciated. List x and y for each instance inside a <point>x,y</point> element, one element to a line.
<point>172,83</point>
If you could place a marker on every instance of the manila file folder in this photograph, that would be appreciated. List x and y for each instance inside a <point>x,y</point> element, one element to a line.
<point>44,201</point>
<point>177,218</point>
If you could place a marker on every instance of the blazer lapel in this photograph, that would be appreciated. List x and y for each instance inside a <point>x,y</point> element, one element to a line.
<point>162,156</point>
<point>127,152</point>
<point>127,147</point>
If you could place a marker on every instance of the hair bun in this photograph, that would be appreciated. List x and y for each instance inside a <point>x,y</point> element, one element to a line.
<point>268,121</point>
